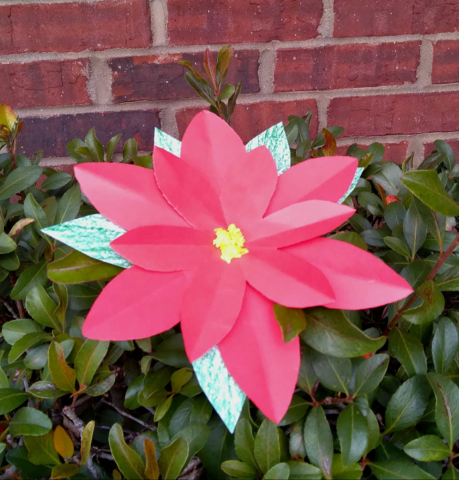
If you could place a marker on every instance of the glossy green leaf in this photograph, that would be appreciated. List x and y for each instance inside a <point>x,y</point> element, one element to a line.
<point>42,308</point>
<point>398,470</point>
<point>10,399</point>
<point>434,222</point>
<point>447,153</point>
<point>245,443</point>
<point>296,410</point>
<point>7,245</point>
<point>268,445</point>
<point>179,378</point>
<point>15,329</point>
<point>398,246</point>
<point>172,458</point>
<point>445,345</point>
<point>352,433</point>
<point>426,186</point>
<point>30,278</point>
<point>44,389</point>
<point>447,406</point>
<point>33,210</point>
<point>414,229</point>
<point>27,342</point>
<point>239,469</point>
<point>64,470</point>
<point>369,374</point>
<point>394,214</point>
<point>333,372</point>
<point>79,268</point>
<point>291,320</point>
<point>448,281</point>
<point>86,441</point>
<point>111,145</point>
<point>57,180</point>
<point>407,405</point>
<point>319,441</point>
<point>429,448</point>
<point>41,449</point>
<point>69,205</point>
<point>128,461</point>
<point>63,376</point>
<point>303,471</point>
<point>18,180</point>
<point>88,360</point>
<point>281,471</point>
<point>350,237</point>
<point>431,307</point>
<point>129,150</point>
<point>196,437</point>
<point>330,332</point>
<point>307,375</point>
<point>409,351</point>
<point>95,148</point>
<point>31,422</point>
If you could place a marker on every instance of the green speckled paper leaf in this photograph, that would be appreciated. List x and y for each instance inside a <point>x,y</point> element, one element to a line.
<point>276,141</point>
<point>166,142</point>
<point>220,388</point>
<point>358,174</point>
<point>90,235</point>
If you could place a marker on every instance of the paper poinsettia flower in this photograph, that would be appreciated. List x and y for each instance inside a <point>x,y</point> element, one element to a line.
<point>215,238</point>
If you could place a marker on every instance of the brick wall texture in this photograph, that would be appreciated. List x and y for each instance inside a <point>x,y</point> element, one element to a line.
<point>385,70</point>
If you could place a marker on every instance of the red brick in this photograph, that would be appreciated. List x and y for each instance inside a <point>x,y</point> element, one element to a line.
<point>394,152</point>
<point>454,144</point>
<point>44,84</point>
<point>193,22</point>
<point>160,77</point>
<point>346,66</point>
<point>395,114</point>
<point>52,134</point>
<point>445,67</point>
<point>73,27</point>
<point>251,119</point>
<point>357,18</point>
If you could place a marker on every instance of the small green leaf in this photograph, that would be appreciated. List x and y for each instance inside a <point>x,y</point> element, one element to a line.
<point>245,443</point>
<point>41,308</point>
<point>10,399</point>
<point>409,351</point>
<point>448,281</point>
<point>79,268</point>
<point>281,471</point>
<point>63,376</point>
<point>94,147</point>
<point>129,150</point>
<point>44,389</point>
<point>239,469</point>
<point>303,471</point>
<point>163,408</point>
<point>398,470</point>
<point>445,345</point>
<point>14,330</point>
<point>369,374</point>
<point>352,433</point>
<point>88,360</point>
<point>64,470</point>
<point>407,405</point>
<point>69,205</point>
<point>291,320</point>
<point>41,449</point>
<point>196,437</point>
<point>180,378</point>
<point>128,461</point>
<point>426,186</point>
<point>26,343</point>
<point>350,237</point>
<point>429,448</point>
<point>55,181</point>
<point>7,245</point>
<point>434,222</point>
<point>319,441</point>
<point>296,410</point>
<point>111,146</point>
<point>268,448</point>
<point>307,375</point>
<point>86,441</point>
<point>333,372</point>
<point>414,230</point>
<point>447,153</point>
<point>31,277</point>
<point>18,180</point>
<point>172,458</point>
<point>29,421</point>
<point>397,246</point>
<point>431,307</point>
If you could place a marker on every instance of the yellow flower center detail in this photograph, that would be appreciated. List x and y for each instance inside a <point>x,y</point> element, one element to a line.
<point>230,242</point>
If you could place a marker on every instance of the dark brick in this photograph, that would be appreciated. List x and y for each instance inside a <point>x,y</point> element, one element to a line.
<point>251,119</point>
<point>73,27</point>
<point>44,84</point>
<point>52,134</point>
<point>445,67</point>
<point>198,22</point>
<point>357,18</point>
<point>395,114</point>
<point>160,77</point>
<point>346,66</point>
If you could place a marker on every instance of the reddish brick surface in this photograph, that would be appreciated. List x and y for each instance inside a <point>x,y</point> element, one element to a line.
<point>160,77</point>
<point>48,83</point>
<point>357,18</point>
<point>346,66</point>
<point>445,68</point>
<point>395,114</point>
<point>454,144</point>
<point>73,27</point>
<point>52,134</point>
<point>194,22</point>
<point>252,119</point>
<point>394,152</point>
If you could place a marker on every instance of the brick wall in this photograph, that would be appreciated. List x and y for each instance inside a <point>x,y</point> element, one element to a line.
<point>386,70</point>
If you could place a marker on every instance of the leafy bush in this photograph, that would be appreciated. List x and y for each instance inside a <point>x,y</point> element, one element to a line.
<point>80,408</point>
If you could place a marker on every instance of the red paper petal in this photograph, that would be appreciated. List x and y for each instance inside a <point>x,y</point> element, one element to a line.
<point>286,279</point>
<point>358,279</point>
<point>136,304</point>
<point>254,352</point>
<point>126,195</point>
<point>248,187</point>
<point>210,145</point>
<point>324,178</point>
<point>211,305</point>
<point>297,223</point>
<point>166,249</point>
<point>188,191</point>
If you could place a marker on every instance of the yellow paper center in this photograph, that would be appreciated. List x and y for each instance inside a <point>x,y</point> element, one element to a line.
<point>230,242</point>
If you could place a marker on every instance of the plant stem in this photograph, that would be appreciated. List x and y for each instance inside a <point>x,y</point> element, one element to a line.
<point>441,260</point>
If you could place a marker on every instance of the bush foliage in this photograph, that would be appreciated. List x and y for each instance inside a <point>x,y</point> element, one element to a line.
<point>377,394</point>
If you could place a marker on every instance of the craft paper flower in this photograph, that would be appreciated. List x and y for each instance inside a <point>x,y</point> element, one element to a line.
<point>215,238</point>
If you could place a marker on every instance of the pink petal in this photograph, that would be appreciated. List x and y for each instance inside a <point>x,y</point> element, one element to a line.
<point>285,279</point>
<point>136,304</point>
<point>211,305</point>
<point>188,191</point>
<point>358,279</point>
<point>166,249</point>
<point>324,178</point>
<point>263,366</point>
<point>297,223</point>
<point>248,186</point>
<point>210,145</point>
<point>125,194</point>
